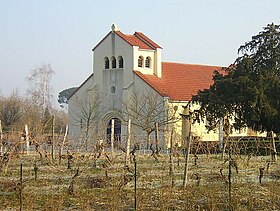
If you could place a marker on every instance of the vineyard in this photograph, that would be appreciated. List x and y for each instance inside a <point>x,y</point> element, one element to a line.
<point>244,177</point>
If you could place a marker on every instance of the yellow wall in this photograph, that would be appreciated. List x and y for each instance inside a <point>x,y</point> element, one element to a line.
<point>183,126</point>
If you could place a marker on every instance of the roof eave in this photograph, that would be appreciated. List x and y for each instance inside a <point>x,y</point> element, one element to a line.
<point>151,85</point>
<point>101,41</point>
<point>79,87</point>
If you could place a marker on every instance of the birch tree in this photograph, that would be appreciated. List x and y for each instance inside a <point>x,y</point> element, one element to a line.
<point>39,86</point>
<point>10,110</point>
<point>86,112</point>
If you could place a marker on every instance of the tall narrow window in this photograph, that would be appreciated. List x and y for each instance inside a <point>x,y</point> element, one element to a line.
<point>120,61</point>
<point>106,63</point>
<point>140,61</point>
<point>148,62</point>
<point>114,62</point>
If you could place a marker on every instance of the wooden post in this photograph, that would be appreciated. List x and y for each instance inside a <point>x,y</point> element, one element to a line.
<point>188,137</point>
<point>226,128</point>
<point>221,134</point>
<point>187,155</point>
<point>127,160</point>
<point>1,138</point>
<point>52,147</point>
<point>35,171</point>
<point>171,165</point>
<point>261,174</point>
<point>186,123</point>
<point>274,151</point>
<point>62,145</point>
<point>229,179</point>
<point>156,138</point>
<point>135,181</point>
<point>112,136</point>
<point>26,138</point>
<point>20,188</point>
<point>148,140</point>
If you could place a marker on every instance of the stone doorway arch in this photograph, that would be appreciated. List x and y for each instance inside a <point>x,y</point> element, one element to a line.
<point>106,128</point>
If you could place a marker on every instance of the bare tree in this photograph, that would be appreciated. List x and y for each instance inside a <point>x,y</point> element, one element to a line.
<point>32,116</point>
<point>40,89</point>
<point>86,112</point>
<point>1,138</point>
<point>148,111</point>
<point>10,110</point>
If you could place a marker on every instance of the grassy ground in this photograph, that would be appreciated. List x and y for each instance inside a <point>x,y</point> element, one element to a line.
<point>105,184</point>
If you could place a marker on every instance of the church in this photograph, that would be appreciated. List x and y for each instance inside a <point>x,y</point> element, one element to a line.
<point>131,85</point>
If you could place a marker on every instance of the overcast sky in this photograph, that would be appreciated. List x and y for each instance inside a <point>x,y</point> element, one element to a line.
<point>63,32</point>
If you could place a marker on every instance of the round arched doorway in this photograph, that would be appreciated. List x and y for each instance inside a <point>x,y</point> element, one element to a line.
<point>114,130</point>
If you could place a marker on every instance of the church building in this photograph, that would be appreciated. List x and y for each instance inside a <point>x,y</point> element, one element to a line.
<point>129,80</point>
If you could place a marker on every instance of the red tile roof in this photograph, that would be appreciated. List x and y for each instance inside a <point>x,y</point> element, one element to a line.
<point>146,39</point>
<point>180,81</point>
<point>138,39</point>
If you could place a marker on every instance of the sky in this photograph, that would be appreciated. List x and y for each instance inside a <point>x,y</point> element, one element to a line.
<point>62,33</point>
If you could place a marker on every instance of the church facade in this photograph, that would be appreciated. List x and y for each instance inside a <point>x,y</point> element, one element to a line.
<point>130,81</point>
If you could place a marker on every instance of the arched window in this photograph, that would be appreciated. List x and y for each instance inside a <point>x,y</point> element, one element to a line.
<point>140,61</point>
<point>114,62</point>
<point>148,62</point>
<point>106,63</point>
<point>120,61</point>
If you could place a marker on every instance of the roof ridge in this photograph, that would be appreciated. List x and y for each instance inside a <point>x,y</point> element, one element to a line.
<point>138,35</point>
<point>137,39</point>
<point>205,65</point>
<point>131,39</point>
<point>146,39</point>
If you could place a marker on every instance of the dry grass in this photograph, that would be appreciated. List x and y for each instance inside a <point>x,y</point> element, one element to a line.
<point>104,186</point>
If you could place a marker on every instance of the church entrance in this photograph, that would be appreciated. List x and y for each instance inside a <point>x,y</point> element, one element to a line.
<point>114,129</point>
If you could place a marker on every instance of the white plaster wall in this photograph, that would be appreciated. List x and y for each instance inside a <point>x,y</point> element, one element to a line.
<point>144,53</point>
<point>142,88</point>
<point>155,56</point>
<point>74,109</point>
<point>121,78</point>
<point>113,45</point>
<point>157,62</point>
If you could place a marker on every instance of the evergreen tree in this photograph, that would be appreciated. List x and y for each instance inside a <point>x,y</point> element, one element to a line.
<point>64,95</point>
<point>250,89</point>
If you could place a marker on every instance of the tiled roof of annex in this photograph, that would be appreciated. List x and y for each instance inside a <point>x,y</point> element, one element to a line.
<point>138,39</point>
<point>180,81</point>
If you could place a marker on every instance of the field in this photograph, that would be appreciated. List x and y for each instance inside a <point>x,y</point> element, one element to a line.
<point>84,181</point>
